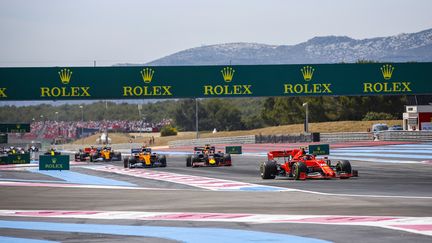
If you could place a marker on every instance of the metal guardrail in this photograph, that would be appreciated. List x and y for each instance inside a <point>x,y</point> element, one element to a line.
<point>221,140</point>
<point>76,147</point>
<point>288,138</point>
<point>22,145</point>
<point>412,136</point>
<point>346,137</point>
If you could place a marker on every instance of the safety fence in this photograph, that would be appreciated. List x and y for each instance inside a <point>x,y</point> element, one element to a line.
<point>288,138</point>
<point>221,140</point>
<point>411,136</point>
<point>346,137</point>
<point>21,145</point>
<point>76,147</point>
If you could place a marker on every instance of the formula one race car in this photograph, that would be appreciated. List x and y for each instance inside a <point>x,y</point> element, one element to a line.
<point>52,152</point>
<point>144,158</point>
<point>300,166</point>
<point>105,154</point>
<point>207,156</point>
<point>86,154</point>
<point>13,150</point>
<point>33,149</point>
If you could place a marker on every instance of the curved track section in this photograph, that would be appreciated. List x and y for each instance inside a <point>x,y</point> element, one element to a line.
<point>388,202</point>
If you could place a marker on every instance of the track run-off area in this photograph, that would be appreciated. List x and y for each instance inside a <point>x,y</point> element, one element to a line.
<point>390,201</point>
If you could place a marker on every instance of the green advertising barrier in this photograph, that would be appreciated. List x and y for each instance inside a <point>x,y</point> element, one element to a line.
<point>319,149</point>
<point>15,128</point>
<point>3,159</point>
<point>3,138</point>
<point>150,82</point>
<point>15,159</point>
<point>233,149</point>
<point>56,162</point>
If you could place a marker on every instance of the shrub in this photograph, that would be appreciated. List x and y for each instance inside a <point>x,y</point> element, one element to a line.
<point>168,131</point>
<point>372,116</point>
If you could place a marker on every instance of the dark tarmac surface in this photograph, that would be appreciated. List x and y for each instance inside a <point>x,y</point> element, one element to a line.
<point>404,183</point>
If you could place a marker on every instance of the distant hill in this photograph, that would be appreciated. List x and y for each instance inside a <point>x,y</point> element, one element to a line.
<point>414,47</point>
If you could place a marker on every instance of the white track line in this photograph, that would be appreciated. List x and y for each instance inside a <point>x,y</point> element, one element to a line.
<point>66,185</point>
<point>417,225</point>
<point>223,185</point>
<point>194,181</point>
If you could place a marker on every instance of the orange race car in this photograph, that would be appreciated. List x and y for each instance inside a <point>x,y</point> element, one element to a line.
<point>103,154</point>
<point>144,158</point>
<point>299,165</point>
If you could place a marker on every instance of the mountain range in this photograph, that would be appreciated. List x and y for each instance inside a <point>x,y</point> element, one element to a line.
<point>413,47</point>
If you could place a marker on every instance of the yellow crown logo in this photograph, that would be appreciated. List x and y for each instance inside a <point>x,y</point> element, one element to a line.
<point>147,75</point>
<point>307,72</point>
<point>227,74</point>
<point>65,75</point>
<point>387,71</point>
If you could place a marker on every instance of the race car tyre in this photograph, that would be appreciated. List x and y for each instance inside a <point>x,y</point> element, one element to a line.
<point>163,161</point>
<point>297,169</point>
<point>117,156</point>
<point>189,161</point>
<point>227,159</point>
<point>268,169</point>
<point>343,166</point>
<point>126,162</point>
<point>195,159</point>
<point>131,161</point>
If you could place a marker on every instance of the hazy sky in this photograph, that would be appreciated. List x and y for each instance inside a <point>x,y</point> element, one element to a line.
<point>76,32</point>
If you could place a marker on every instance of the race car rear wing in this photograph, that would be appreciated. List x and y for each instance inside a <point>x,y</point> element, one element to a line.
<point>212,148</point>
<point>135,151</point>
<point>139,150</point>
<point>282,153</point>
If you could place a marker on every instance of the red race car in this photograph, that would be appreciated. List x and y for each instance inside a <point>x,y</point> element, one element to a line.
<point>85,154</point>
<point>300,166</point>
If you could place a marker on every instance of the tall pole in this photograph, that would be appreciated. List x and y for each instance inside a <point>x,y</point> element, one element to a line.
<point>82,124</point>
<point>140,119</point>
<point>306,126</point>
<point>196,118</point>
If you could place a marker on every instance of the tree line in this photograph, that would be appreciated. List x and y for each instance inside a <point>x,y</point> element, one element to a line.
<point>223,114</point>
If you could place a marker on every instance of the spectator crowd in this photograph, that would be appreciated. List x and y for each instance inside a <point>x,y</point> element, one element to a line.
<point>71,130</point>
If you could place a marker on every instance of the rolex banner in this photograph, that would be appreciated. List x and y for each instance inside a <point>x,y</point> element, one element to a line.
<point>15,159</point>
<point>319,149</point>
<point>56,162</point>
<point>80,83</point>
<point>233,149</point>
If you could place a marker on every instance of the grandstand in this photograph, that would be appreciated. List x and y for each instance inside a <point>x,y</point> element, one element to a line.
<point>62,132</point>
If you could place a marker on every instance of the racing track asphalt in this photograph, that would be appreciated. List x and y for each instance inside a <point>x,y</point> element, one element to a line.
<point>406,183</point>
